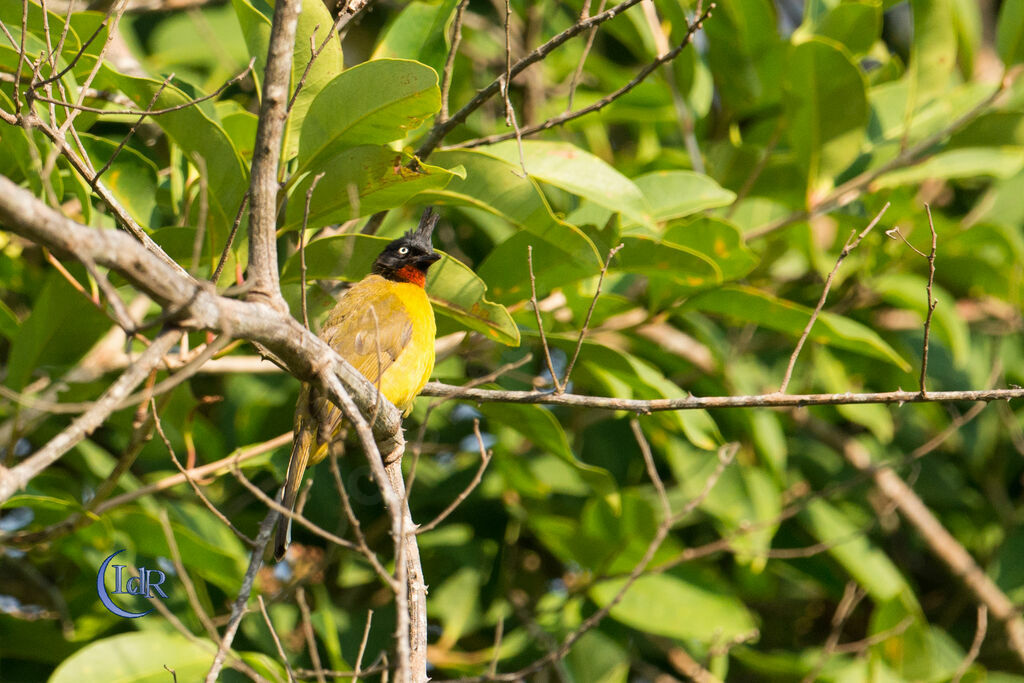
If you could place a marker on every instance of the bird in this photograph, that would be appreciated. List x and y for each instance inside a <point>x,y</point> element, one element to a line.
<point>384,326</point>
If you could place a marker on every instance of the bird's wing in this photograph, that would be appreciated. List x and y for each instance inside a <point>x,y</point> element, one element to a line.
<point>369,327</point>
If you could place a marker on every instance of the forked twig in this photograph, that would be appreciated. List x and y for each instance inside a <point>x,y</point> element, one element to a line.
<point>590,313</point>
<point>850,245</point>
<point>540,325</point>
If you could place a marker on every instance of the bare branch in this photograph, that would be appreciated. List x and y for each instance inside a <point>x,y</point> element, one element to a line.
<point>449,62</point>
<point>774,400</point>
<point>979,638</point>
<point>14,479</point>
<point>485,458</point>
<point>266,158</point>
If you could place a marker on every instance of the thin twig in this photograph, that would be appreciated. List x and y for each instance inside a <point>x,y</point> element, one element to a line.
<point>449,62</point>
<point>307,629</point>
<point>540,325</point>
<point>574,82</point>
<point>852,595</point>
<point>302,246</point>
<point>192,482</point>
<point>979,638</point>
<point>151,112</point>
<point>931,303</point>
<point>442,128</point>
<point>286,513</point>
<point>596,106</point>
<point>357,530</point>
<point>183,576</point>
<point>485,458</point>
<point>238,609</point>
<point>131,131</point>
<point>850,245</point>
<point>590,312</point>
<point>277,640</point>
<point>231,239</point>
<point>362,646</point>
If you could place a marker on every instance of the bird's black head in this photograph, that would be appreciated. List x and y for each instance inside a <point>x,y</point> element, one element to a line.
<point>408,258</point>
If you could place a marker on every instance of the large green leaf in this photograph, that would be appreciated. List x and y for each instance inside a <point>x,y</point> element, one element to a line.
<point>254,16</point>
<point>562,252</point>
<point>577,171</point>
<point>969,162</point>
<point>751,305</point>
<point>420,32</point>
<point>827,110</point>
<point>197,131</point>
<point>677,604</point>
<point>132,178</point>
<point>718,240</point>
<point>688,268</point>
<point>59,331</point>
<point>1010,32</point>
<point>543,430</point>
<point>137,658</point>
<point>359,181</point>
<point>370,104</point>
<point>868,565</point>
<point>454,290</point>
<point>933,51</point>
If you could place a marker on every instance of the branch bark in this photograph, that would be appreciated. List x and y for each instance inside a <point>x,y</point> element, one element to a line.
<point>263,275</point>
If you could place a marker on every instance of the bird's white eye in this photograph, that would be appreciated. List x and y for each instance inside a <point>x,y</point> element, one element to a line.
<point>403,250</point>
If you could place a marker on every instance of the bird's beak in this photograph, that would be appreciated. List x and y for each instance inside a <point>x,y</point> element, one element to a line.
<point>427,259</point>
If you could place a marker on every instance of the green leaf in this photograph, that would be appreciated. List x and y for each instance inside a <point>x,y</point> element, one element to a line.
<point>868,565</point>
<point>749,304</point>
<point>827,108</point>
<point>255,24</point>
<point>420,32</point>
<point>197,131</point>
<point>577,171</point>
<point>315,24</point>
<point>9,322</point>
<point>719,241</point>
<point>675,194</point>
<point>855,25</point>
<point>677,604</point>
<point>933,51</point>
<point>359,181</point>
<point>370,104</point>
<point>132,178</point>
<point>688,268</point>
<point>970,162</point>
<point>137,658</point>
<point>543,430</point>
<point>562,252</point>
<point>454,290</point>
<point>1010,32</point>
<point>908,291</point>
<point>44,338</point>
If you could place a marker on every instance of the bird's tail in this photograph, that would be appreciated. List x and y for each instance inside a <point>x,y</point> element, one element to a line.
<point>302,447</point>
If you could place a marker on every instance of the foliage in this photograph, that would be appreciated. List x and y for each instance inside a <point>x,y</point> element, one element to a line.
<point>806,128</point>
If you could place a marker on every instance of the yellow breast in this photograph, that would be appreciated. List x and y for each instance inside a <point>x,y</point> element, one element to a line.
<point>386,329</point>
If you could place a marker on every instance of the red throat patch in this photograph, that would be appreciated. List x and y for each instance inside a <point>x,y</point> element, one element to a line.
<point>412,275</point>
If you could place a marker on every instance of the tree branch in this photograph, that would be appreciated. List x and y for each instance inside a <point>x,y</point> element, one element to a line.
<point>266,158</point>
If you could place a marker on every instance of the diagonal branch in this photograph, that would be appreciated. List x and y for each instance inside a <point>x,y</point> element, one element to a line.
<point>16,478</point>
